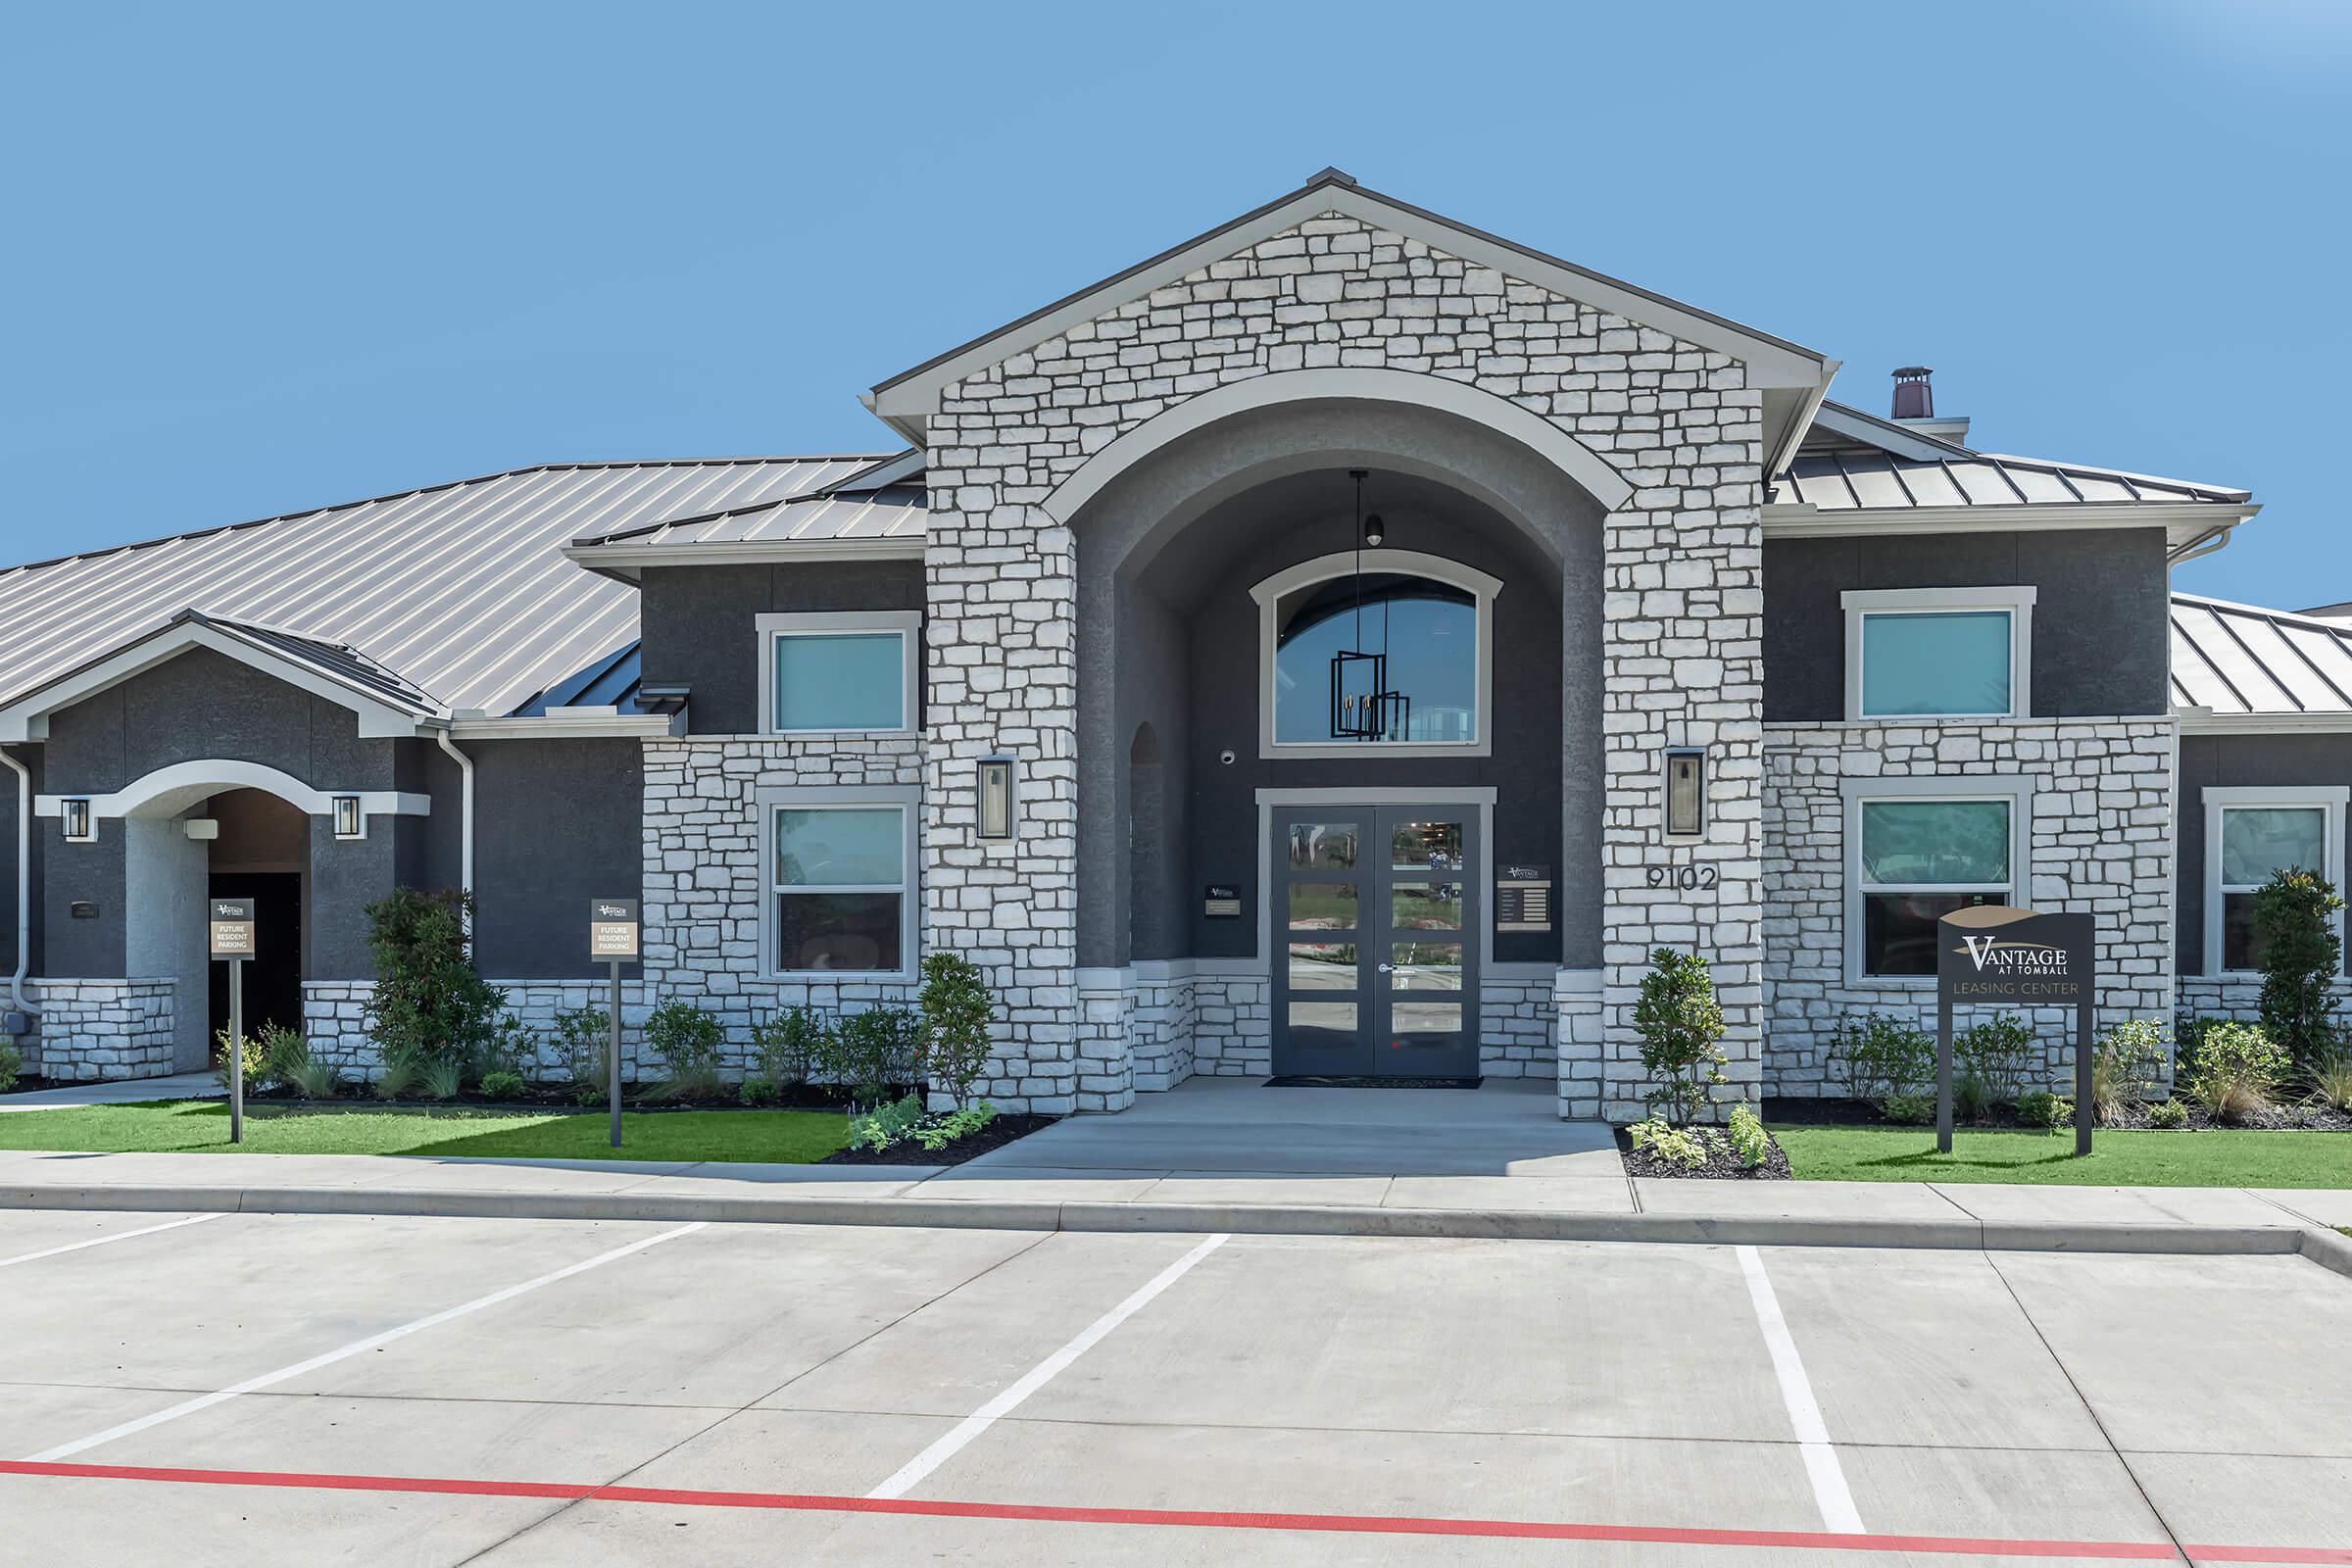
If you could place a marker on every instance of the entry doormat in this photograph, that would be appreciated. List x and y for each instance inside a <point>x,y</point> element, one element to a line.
<point>1310,1081</point>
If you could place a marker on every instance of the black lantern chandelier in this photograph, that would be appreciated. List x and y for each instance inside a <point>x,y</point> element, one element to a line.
<point>1363,707</point>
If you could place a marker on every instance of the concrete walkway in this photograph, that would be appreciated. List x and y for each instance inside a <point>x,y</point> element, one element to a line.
<point>116,1091</point>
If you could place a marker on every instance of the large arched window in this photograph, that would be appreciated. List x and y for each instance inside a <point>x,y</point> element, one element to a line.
<point>1396,656</point>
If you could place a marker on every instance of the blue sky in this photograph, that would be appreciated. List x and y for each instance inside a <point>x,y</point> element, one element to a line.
<point>267,258</point>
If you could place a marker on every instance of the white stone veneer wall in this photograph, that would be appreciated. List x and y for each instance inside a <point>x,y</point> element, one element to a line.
<point>2102,844</point>
<point>1591,1077</point>
<point>88,1030</point>
<point>1682,594</point>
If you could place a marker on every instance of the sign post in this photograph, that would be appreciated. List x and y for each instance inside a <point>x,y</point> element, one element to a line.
<point>229,923</point>
<point>613,937</point>
<point>1991,954</point>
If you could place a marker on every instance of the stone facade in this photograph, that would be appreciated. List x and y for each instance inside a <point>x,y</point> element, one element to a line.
<point>1589,1075</point>
<point>1683,591</point>
<point>2102,844</point>
<point>99,1029</point>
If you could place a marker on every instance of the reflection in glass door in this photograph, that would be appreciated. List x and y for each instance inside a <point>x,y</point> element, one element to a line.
<point>1375,968</point>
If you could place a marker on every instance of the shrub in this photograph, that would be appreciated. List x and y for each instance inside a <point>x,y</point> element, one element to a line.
<point>2124,1065</point>
<point>2300,955</point>
<point>1972,1101</point>
<point>428,1000</point>
<point>938,1132</point>
<point>2168,1115</point>
<point>876,1052</point>
<point>1881,1056</point>
<point>284,1053</point>
<point>1909,1110</point>
<point>256,1063</point>
<point>510,1046</point>
<point>2001,1051</point>
<point>1669,1145</point>
<point>1680,1021</point>
<point>756,1092</point>
<point>886,1124</point>
<point>441,1077</point>
<point>958,1010</point>
<point>502,1085</point>
<point>2238,1070</point>
<point>12,1064</point>
<point>2332,1079</point>
<point>2039,1107</point>
<point>687,1040</point>
<point>401,1072</point>
<point>790,1043</point>
<point>583,1041</point>
<point>1748,1139</point>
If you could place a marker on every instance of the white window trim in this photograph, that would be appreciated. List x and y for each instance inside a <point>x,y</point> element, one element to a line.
<point>906,623</point>
<point>2016,601</point>
<point>2329,798</point>
<point>2014,788</point>
<point>1483,590</point>
<point>906,800</point>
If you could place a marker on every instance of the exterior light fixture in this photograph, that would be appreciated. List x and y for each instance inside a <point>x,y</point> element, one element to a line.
<point>1686,791</point>
<point>349,822</point>
<point>1374,531</point>
<point>996,798</point>
<point>80,827</point>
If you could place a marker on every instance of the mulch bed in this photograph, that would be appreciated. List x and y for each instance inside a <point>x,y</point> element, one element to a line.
<point>30,1082</point>
<point>1787,1112</point>
<point>1721,1163</point>
<point>1000,1130</point>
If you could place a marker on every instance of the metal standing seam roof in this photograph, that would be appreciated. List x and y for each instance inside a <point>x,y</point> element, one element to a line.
<point>2240,658</point>
<point>895,512</point>
<point>460,591</point>
<point>1857,479</point>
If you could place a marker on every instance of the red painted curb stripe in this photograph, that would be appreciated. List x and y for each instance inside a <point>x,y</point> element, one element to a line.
<point>1325,1523</point>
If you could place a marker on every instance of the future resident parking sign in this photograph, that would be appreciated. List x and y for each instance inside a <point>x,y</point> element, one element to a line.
<point>1993,955</point>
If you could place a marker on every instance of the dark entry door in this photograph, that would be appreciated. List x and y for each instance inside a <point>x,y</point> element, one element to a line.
<point>1376,915</point>
<point>273,975</point>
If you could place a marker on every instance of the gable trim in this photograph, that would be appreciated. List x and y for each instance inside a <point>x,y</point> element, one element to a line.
<point>907,399</point>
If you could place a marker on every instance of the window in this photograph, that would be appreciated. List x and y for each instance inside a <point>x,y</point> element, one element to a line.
<point>840,866</point>
<point>1398,657</point>
<point>837,674</point>
<point>1937,652</point>
<point>1916,850</point>
<point>2250,833</point>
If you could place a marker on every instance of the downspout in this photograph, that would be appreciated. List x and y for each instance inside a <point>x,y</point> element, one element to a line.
<point>15,981</point>
<point>464,820</point>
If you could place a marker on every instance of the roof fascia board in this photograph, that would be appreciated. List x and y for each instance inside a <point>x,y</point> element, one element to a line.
<point>559,727</point>
<point>2180,523</point>
<point>26,717</point>
<point>2204,721</point>
<point>1772,362</point>
<point>1808,411</point>
<point>1868,429</point>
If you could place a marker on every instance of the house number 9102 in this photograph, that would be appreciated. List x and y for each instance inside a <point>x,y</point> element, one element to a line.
<point>1682,876</point>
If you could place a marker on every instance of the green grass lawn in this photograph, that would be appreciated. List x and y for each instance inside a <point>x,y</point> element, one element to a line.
<point>200,1126</point>
<point>2210,1158</point>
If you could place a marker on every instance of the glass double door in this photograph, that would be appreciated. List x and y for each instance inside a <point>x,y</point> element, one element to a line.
<point>1376,915</point>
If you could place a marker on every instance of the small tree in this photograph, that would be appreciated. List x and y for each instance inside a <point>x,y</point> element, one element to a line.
<point>1680,1022</point>
<point>428,1001</point>
<point>958,1010</point>
<point>2300,956</point>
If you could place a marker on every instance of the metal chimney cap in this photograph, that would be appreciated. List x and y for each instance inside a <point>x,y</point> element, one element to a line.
<point>1913,372</point>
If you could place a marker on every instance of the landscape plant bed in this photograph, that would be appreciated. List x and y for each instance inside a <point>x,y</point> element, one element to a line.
<point>1002,1129</point>
<point>1788,1111</point>
<point>1723,1162</point>
<point>29,1083</point>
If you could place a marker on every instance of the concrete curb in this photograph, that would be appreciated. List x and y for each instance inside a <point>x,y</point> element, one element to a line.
<point>2324,1247</point>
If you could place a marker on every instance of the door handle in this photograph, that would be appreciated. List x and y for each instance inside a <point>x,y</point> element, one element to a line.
<point>1386,968</point>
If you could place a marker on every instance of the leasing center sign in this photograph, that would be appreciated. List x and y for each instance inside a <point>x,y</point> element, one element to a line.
<point>1991,954</point>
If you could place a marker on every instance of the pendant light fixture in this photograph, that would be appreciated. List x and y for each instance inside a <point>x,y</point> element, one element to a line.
<point>1372,711</point>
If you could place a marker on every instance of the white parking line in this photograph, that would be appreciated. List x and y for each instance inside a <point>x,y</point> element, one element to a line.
<point>951,1444</point>
<point>205,1401</point>
<point>101,1241</point>
<point>1830,1493</point>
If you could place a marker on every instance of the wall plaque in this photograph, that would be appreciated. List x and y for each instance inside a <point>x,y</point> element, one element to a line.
<point>1522,898</point>
<point>1222,902</point>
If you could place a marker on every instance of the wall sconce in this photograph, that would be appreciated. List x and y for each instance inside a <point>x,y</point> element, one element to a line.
<point>996,798</point>
<point>80,826</point>
<point>1686,791</point>
<point>349,822</point>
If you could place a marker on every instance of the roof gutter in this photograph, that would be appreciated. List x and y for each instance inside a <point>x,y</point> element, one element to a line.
<point>2206,543</point>
<point>464,821</point>
<point>15,981</point>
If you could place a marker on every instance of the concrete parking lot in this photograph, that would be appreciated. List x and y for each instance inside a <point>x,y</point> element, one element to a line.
<point>259,1389</point>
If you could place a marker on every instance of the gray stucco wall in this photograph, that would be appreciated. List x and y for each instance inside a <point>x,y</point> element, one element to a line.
<point>2239,761</point>
<point>699,630</point>
<point>2100,637</point>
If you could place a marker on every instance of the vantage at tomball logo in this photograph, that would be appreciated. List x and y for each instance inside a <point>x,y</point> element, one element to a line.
<point>2015,959</point>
